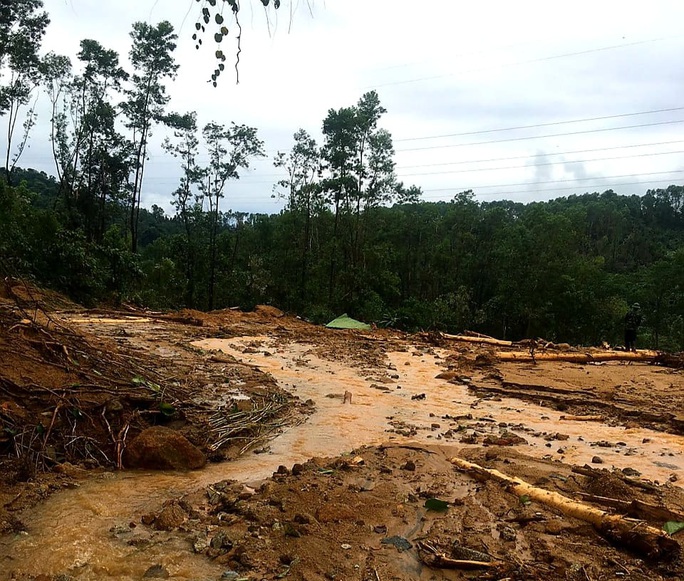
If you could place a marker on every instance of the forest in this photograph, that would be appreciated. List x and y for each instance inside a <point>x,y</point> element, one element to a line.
<point>351,237</point>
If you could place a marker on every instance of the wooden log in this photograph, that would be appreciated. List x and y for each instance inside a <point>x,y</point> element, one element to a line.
<point>635,507</point>
<point>633,534</point>
<point>594,473</point>
<point>583,418</point>
<point>583,357</point>
<point>481,340</point>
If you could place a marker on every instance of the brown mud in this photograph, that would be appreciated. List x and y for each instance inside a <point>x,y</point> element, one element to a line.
<point>361,424</point>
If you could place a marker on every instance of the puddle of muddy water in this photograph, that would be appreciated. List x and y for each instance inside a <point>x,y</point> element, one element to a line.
<point>71,532</point>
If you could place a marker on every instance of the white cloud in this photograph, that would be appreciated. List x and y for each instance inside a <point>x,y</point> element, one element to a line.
<point>441,67</point>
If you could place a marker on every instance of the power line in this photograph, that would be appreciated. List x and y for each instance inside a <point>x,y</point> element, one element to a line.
<point>542,136</point>
<point>540,164</point>
<point>480,132</point>
<point>525,62</point>
<point>523,184</point>
<point>546,154</point>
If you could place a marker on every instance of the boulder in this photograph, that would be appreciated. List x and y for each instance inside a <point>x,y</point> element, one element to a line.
<point>160,448</point>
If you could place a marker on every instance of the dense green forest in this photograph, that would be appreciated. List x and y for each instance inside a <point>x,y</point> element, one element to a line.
<point>351,237</point>
<point>565,270</point>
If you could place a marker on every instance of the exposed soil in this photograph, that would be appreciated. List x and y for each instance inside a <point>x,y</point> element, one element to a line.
<point>387,409</point>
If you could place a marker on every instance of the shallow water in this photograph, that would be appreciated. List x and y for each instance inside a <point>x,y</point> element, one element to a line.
<point>70,533</point>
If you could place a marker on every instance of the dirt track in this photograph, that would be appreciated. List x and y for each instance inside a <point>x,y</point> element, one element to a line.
<point>329,519</point>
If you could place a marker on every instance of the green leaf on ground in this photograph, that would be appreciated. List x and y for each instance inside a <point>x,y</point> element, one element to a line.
<point>436,504</point>
<point>671,527</point>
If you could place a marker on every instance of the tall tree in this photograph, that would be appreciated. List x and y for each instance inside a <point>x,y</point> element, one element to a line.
<point>22,26</point>
<point>184,147</point>
<point>90,153</point>
<point>153,62</point>
<point>229,149</point>
<point>303,193</point>
<point>360,176</point>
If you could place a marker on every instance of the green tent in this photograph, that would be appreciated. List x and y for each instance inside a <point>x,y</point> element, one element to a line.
<point>346,322</point>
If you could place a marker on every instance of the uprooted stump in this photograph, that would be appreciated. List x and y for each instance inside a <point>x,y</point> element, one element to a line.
<point>633,534</point>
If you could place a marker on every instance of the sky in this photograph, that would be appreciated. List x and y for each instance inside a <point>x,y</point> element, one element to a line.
<point>527,100</point>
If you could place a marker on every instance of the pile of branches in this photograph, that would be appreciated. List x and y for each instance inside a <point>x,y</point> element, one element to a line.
<point>64,398</point>
<point>255,426</point>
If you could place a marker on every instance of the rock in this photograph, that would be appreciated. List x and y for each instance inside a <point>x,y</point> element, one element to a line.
<point>160,448</point>
<point>229,575</point>
<point>597,460</point>
<point>70,470</point>
<point>297,469</point>
<point>171,517</point>
<point>345,546</point>
<point>200,544</point>
<point>400,543</point>
<point>410,466</point>
<point>156,572</point>
<point>508,534</point>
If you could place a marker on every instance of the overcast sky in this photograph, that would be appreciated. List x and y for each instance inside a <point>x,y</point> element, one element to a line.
<point>525,100</point>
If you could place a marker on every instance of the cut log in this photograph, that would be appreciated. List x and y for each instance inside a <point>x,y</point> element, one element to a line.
<point>481,340</point>
<point>583,418</point>
<point>584,357</point>
<point>633,534</point>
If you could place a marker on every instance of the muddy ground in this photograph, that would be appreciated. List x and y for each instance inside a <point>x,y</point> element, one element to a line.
<point>357,428</point>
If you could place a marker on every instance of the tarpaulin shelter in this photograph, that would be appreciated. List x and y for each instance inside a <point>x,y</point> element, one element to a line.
<point>346,322</point>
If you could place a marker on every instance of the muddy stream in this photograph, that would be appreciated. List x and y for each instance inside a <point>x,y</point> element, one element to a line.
<point>85,532</point>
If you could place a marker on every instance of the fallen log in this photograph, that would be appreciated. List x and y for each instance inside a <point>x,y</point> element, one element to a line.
<point>583,418</point>
<point>636,507</point>
<point>583,357</point>
<point>594,473</point>
<point>633,534</point>
<point>483,340</point>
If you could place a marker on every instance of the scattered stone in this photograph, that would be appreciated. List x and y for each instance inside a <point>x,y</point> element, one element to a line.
<point>597,460</point>
<point>380,529</point>
<point>418,396</point>
<point>160,448</point>
<point>505,439</point>
<point>156,572</point>
<point>345,546</point>
<point>229,575</point>
<point>200,544</point>
<point>645,440</point>
<point>561,450</point>
<point>631,472</point>
<point>297,469</point>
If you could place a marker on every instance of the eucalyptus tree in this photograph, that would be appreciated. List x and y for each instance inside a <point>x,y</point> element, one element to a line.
<point>22,27</point>
<point>304,195</point>
<point>90,153</point>
<point>360,176</point>
<point>230,150</point>
<point>152,60</point>
<point>184,146</point>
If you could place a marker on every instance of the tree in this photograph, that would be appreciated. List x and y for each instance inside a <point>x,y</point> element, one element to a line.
<point>360,177</point>
<point>185,147</point>
<point>152,60</point>
<point>90,154</point>
<point>22,26</point>
<point>304,194</point>
<point>229,151</point>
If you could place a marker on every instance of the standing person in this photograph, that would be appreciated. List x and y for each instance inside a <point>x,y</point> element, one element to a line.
<point>632,322</point>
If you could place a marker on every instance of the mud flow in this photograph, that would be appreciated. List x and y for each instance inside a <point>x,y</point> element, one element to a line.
<point>94,530</point>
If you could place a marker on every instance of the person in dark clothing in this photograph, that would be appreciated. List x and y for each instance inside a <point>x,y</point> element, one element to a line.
<point>632,322</point>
